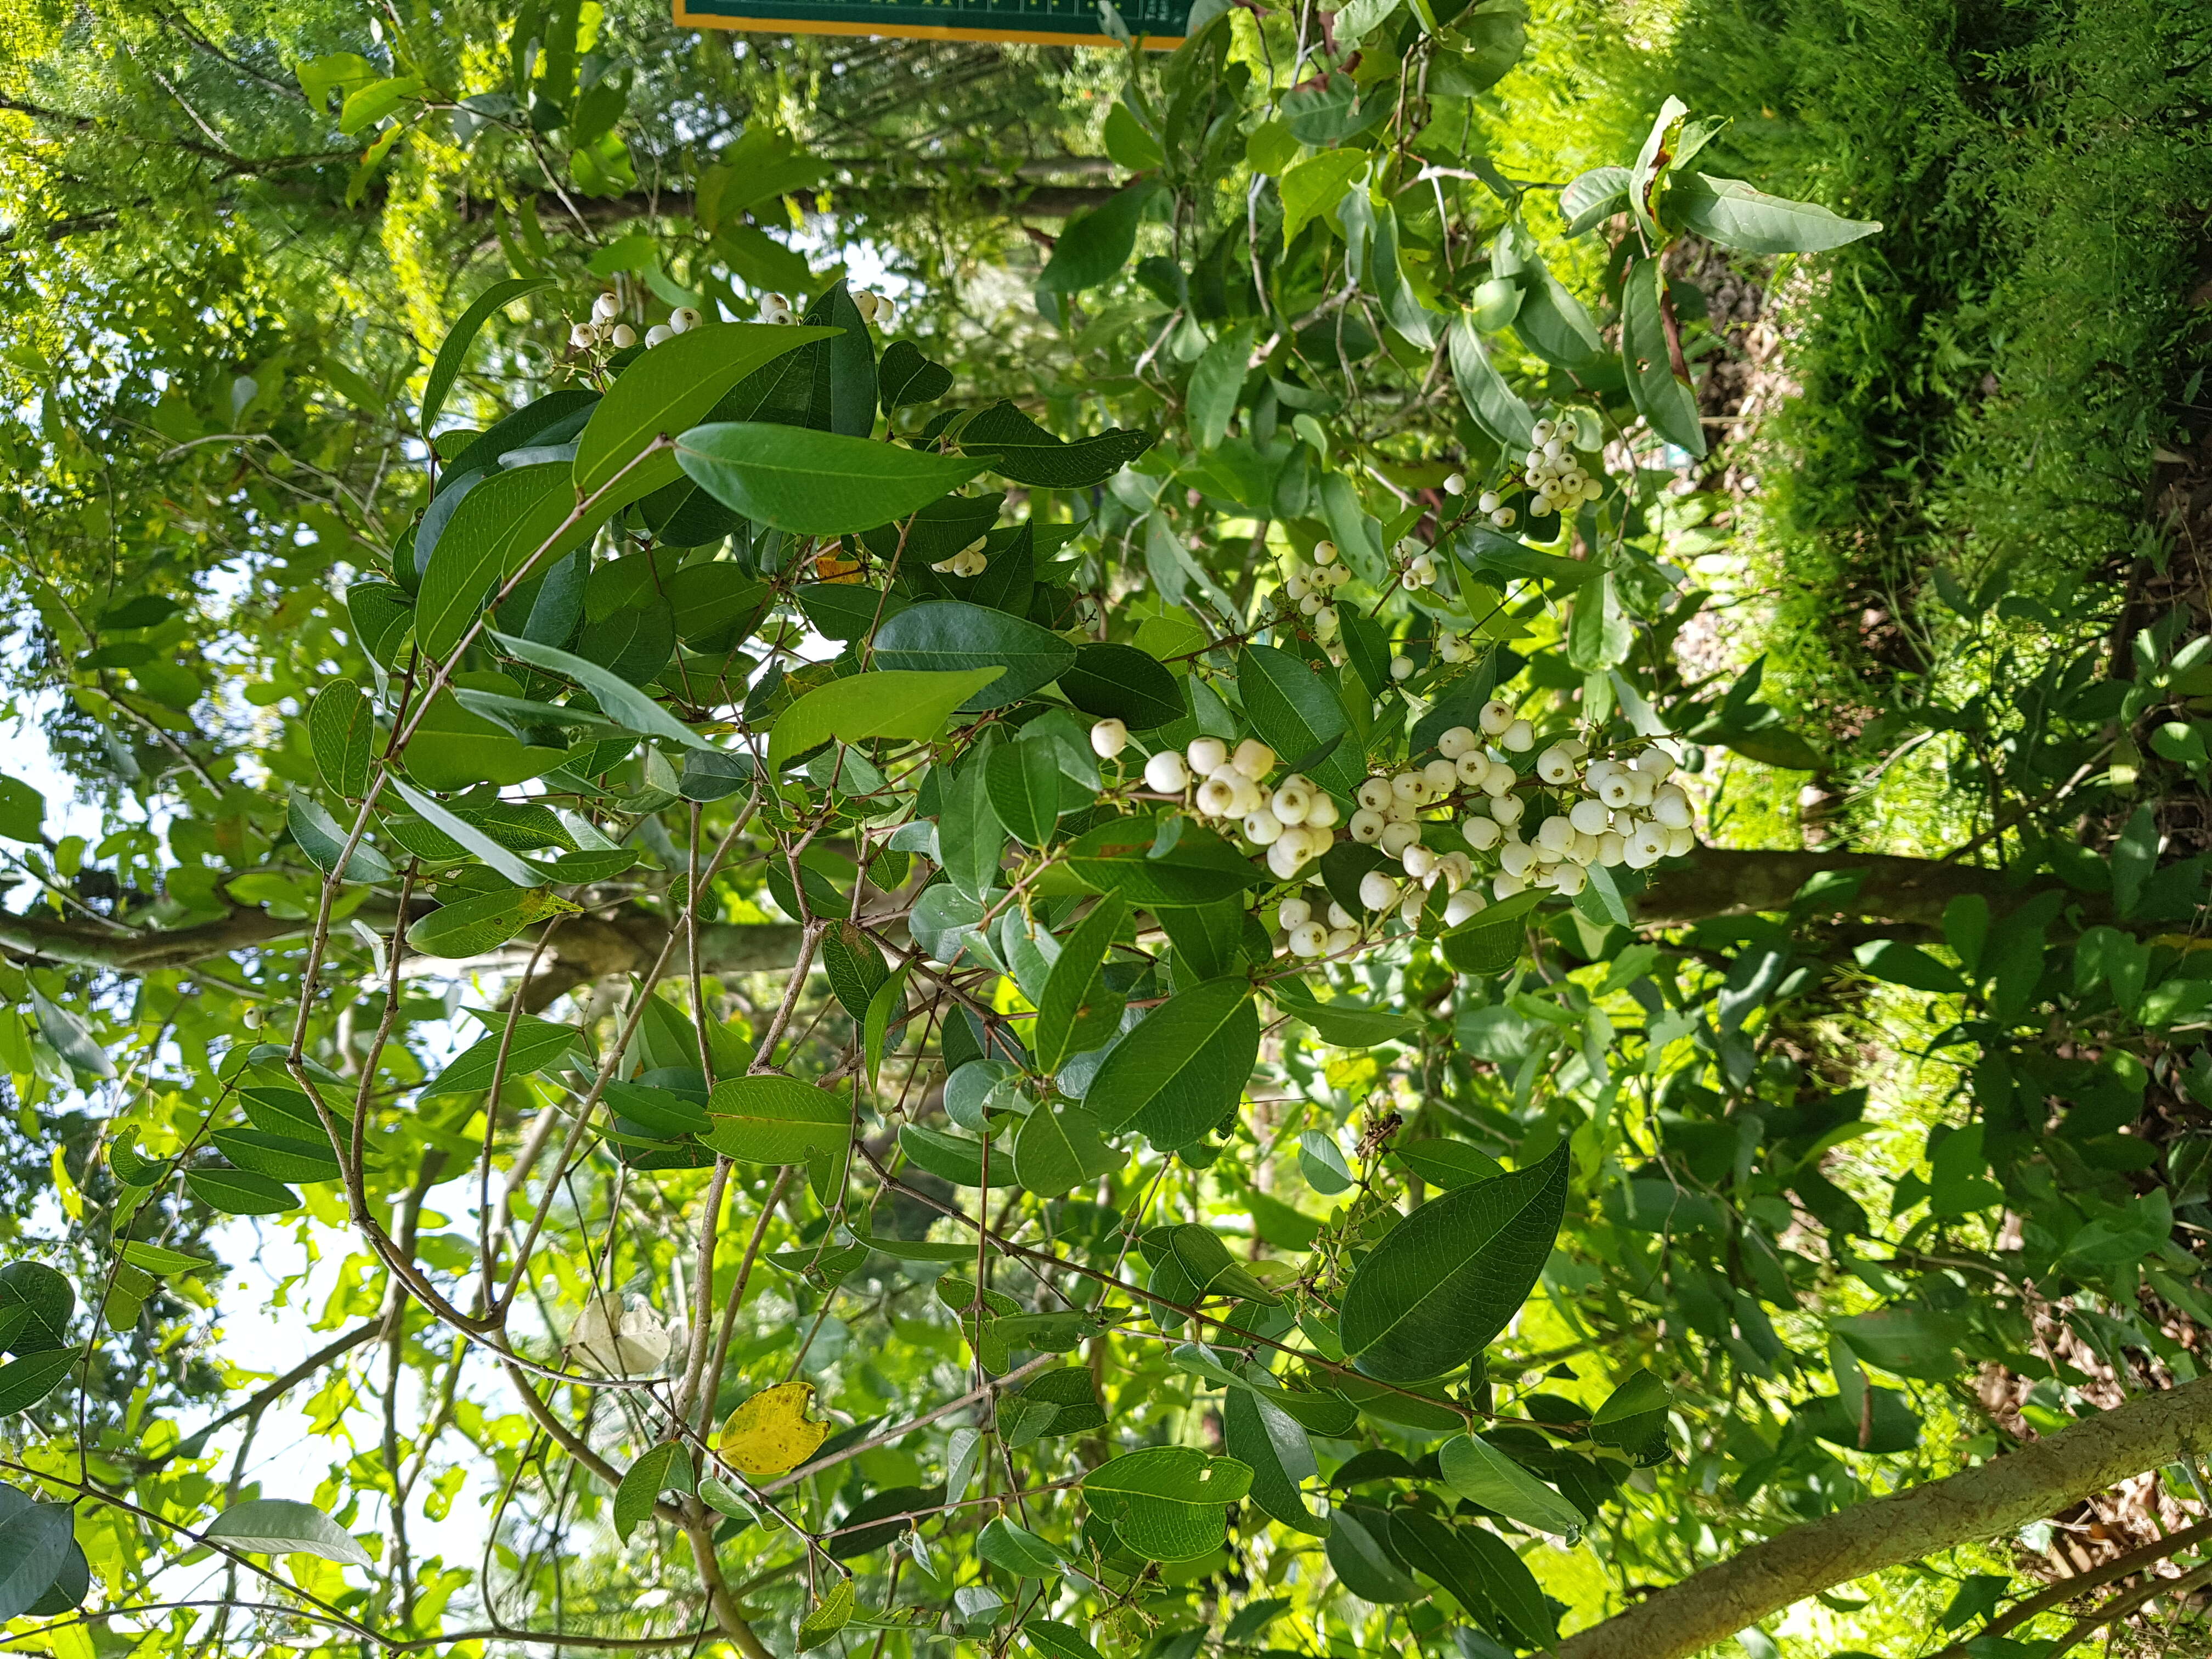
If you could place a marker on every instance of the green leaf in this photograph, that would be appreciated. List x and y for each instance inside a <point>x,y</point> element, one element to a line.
<point>1650,162</point>
<point>1019,1551</point>
<point>1296,712</point>
<point>534,1045</point>
<point>516,868</point>
<point>1594,197</point>
<point>1120,682</point>
<point>1360,1551</point>
<point>1430,1546</point>
<point>1311,189</point>
<point>1058,1149</point>
<point>1634,1418</point>
<point>658,1111</point>
<point>1079,1011</point>
<point>1493,941</point>
<point>854,967</point>
<point>22,809</point>
<point>1452,1274</point>
<point>970,839</point>
<point>1055,1640</point>
<point>380,614</point>
<point>471,926</point>
<point>1321,1162</point>
<point>885,1009</point>
<point>278,1156</point>
<point>446,367</point>
<point>1167,1502</point>
<point>1551,322</point>
<point>1342,1022</point>
<point>71,1037</point>
<point>1482,1474</point>
<point>1908,1341</point>
<point>1095,246</point>
<point>1274,1446</point>
<point>1023,782</point>
<point>336,71</point>
<point>1217,380</point>
<point>283,1526</point>
<point>616,696</point>
<point>1900,963</point>
<point>1054,1403</point>
<point>956,1158</point>
<point>25,1382</point>
<point>1450,1164</point>
<point>1199,868</point>
<point>906,377</point>
<point>1183,1069</point>
<point>1015,447</point>
<point>342,731</point>
<point>1492,404</point>
<point>773,1119</point>
<point>1506,1580</point>
<point>153,1258</point>
<point>815,484</point>
<point>499,526</point>
<point>666,1466</point>
<point>1664,398</point>
<point>1204,1261</point>
<point>666,392</point>
<point>946,636</point>
<point>2134,855</point>
<point>1730,212</point>
<point>319,837</point>
<point>48,1304</point>
<point>372,103</point>
<point>843,396</point>
<point>241,1192</point>
<point>889,702</point>
<point>35,1540</point>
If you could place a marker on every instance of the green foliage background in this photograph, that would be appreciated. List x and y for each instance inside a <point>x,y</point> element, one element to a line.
<point>1967,574</point>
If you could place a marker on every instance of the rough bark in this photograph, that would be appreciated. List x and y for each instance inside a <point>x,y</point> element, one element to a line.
<point>1720,882</point>
<point>1994,1497</point>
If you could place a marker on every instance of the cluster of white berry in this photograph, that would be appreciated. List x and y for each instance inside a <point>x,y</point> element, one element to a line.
<point>606,329</point>
<point>968,562</point>
<point>872,307</point>
<point>1558,478</point>
<point>1631,815</point>
<point>1333,931</point>
<point>1295,820</point>
<point>1420,568</point>
<point>1312,586</point>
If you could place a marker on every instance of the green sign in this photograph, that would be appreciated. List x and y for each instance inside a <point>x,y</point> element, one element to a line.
<point>1157,23</point>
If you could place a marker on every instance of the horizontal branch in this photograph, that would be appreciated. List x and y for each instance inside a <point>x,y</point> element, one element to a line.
<point>1035,201</point>
<point>1993,1497</point>
<point>1726,881</point>
<point>1909,893</point>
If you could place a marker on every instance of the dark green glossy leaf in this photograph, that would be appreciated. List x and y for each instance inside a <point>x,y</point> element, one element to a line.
<point>815,484</point>
<point>1452,1274</point>
<point>1183,1069</point>
<point>946,636</point>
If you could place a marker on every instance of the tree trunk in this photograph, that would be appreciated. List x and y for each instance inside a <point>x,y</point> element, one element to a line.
<point>1994,1497</point>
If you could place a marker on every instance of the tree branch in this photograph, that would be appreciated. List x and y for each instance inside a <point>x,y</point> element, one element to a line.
<point>627,938</point>
<point>2069,1590</point>
<point>1994,1497</point>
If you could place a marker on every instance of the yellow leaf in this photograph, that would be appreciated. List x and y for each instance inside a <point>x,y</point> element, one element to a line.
<point>770,1433</point>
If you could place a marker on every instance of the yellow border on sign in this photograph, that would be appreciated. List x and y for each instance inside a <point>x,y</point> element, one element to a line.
<point>686,18</point>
